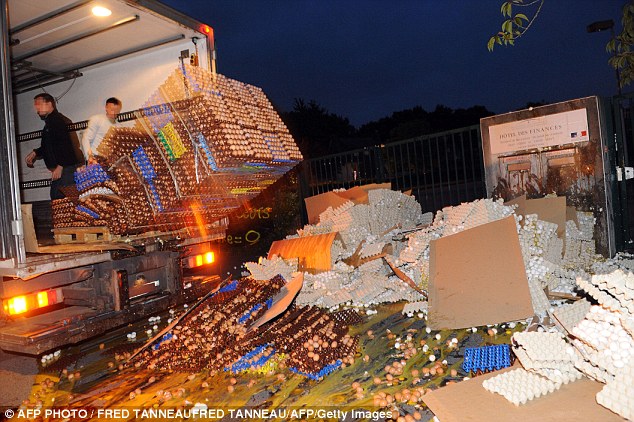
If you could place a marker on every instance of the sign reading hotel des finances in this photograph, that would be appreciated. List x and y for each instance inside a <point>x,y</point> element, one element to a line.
<point>539,132</point>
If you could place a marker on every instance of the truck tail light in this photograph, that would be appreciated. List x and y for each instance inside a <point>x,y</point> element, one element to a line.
<point>42,299</point>
<point>200,260</point>
<point>16,305</point>
<point>24,303</point>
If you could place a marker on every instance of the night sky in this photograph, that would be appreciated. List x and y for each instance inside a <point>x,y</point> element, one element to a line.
<point>364,59</point>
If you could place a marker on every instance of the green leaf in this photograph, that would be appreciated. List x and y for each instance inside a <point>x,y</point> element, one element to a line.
<point>491,43</point>
<point>498,40</point>
<point>521,16</point>
<point>512,42</point>
<point>507,26</point>
<point>506,9</point>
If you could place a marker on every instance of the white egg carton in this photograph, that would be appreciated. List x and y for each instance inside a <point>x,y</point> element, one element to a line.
<point>560,375</point>
<point>415,307</point>
<point>605,267</point>
<point>572,314</point>
<point>628,325</point>
<point>427,218</point>
<point>341,222</point>
<point>268,269</point>
<point>586,225</point>
<point>564,280</point>
<point>329,280</point>
<point>397,294</point>
<point>594,372</point>
<point>553,252</point>
<point>544,346</point>
<point>376,266</point>
<point>416,245</point>
<point>618,394</point>
<point>618,280</point>
<point>332,299</point>
<point>343,268</point>
<point>331,213</point>
<point>625,261</point>
<point>530,364</point>
<point>539,299</point>
<point>311,230</point>
<point>490,210</point>
<point>372,249</point>
<point>310,297</point>
<point>457,215</point>
<point>393,208</point>
<point>608,345</point>
<point>519,386</point>
<point>601,296</point>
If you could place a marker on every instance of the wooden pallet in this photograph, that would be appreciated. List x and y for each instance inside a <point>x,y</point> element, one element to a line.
<point>66,235</point>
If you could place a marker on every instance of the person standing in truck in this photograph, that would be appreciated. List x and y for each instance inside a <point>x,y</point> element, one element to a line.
<point>98,126</point>
<point>60,156</point>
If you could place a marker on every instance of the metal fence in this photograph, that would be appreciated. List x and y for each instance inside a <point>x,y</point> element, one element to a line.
<point>441,169</point>
<point>619,112</point>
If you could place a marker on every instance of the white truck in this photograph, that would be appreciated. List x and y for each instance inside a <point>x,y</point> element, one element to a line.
<point>83,52</point>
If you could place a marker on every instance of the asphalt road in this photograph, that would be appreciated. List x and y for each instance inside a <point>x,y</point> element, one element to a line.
<point>18,375</point>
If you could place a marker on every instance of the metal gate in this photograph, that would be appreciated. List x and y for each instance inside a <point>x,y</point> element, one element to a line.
<point>440,169</point>
<point>619,121</point>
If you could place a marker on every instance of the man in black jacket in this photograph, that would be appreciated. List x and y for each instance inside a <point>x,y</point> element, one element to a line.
<point>57,149</point>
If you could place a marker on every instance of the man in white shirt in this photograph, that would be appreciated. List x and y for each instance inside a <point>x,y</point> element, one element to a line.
<point>98,126</point>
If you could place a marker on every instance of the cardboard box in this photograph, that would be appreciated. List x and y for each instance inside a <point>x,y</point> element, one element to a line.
<point>477,277</point>
<point>469,401</point>
<point>551,209</point>
<point>313,252</point>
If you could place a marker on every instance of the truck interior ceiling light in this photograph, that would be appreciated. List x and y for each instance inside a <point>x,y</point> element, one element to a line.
<point>101,11</point>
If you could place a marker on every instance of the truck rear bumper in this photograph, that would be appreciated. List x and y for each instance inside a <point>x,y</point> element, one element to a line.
<point>37,334</point>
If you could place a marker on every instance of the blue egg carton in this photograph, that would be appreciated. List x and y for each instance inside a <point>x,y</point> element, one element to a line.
<point>192,82</point>
<point>167,336</point>
<point>229,287</point>
<point>90,176</point>
<point>205,147</point>
<point>322,373</point>
<point>88,211</point>
<point>486,358</point>
<point>255,308</point>
<point>143,163</point>
<point>245,362</point>
<point>155,195</point>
